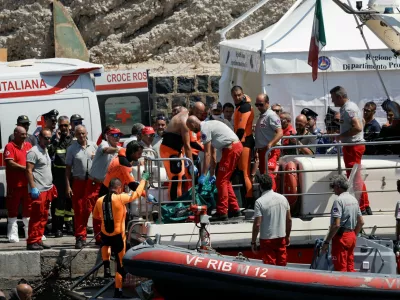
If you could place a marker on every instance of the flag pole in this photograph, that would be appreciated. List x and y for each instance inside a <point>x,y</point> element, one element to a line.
<point>369,51</point>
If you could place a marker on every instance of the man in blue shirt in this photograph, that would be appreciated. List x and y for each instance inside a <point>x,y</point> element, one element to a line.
<point>371,127</point>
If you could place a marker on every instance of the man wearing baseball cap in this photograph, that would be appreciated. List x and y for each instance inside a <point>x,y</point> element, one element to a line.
<point>23,121</point>
<point>147,135</point>
<point>50,121</point>
<point>75,120</point>
<point>106,151</point>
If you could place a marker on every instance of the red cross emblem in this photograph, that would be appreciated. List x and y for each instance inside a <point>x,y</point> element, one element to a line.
<point>124,115</point>
<point>40,123</point>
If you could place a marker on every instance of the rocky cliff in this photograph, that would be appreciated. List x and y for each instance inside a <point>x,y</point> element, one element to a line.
<point>133,31</point>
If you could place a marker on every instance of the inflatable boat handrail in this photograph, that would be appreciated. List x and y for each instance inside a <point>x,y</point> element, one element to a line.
<point>320,135</point>
<point>148,167</point>
<point>337,145</point>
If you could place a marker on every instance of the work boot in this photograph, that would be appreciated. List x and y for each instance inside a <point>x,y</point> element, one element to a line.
<point>58,234</point>
<point>69,228</point>
<point>34,247</point>
<point>368,210</point>
<point>218,217</point>
<point>234,214</point>
<point>89,230</point>
<point>12,230</point>
<point>119,294</point>
<point>44,246</point>
<point>80,243</point>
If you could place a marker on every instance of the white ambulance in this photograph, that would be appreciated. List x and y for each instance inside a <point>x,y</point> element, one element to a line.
<point>34,87</point>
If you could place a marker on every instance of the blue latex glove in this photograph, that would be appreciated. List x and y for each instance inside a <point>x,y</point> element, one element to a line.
<point>151,198</point>
<point>212,179</point>
<point>35,193</point>
<point>202,179</point>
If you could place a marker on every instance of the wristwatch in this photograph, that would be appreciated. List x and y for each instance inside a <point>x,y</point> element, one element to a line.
<point>253,243</point>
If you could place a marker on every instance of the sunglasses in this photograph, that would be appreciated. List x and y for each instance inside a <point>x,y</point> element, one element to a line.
<point>367,110</point>
<point>77,123</point>
<point>336,120</point>
<point>259,104</point>
<point>162,118</point>
<point>151,135</point>
<point>277,110</point>
<point>63,125</point>
<point>47,138</point>
<point>116,135</point>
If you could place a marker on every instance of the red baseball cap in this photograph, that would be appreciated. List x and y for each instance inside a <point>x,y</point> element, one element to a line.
<point>115,131</point>
<point>148,130</point>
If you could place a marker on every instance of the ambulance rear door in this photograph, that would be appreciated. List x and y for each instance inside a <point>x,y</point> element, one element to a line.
<point>123,98</point>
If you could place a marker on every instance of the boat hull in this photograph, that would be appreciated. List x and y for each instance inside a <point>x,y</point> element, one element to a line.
<point>182,274</point>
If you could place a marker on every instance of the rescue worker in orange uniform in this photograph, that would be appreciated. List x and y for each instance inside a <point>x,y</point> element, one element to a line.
<point>121,167</point>
<point>175,139</point>
<point>243,123</point>
<point>346,224</point>
<point>111,210</point>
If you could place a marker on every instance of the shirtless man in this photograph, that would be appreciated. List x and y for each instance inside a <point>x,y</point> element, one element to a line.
<point>175,138</point>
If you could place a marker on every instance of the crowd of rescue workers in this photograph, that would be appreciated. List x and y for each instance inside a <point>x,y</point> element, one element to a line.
<point>57,164</point>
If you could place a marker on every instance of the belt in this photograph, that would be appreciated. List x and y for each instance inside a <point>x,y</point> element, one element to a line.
<point>348,230</point>
<point>95,180</point>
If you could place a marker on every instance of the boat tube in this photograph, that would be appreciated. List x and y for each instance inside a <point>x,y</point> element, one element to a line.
<point>180,273</point>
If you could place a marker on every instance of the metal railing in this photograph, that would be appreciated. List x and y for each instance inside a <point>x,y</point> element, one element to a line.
<point>148,167</point>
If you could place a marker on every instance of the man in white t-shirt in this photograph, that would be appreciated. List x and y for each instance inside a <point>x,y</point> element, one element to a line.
<point>351,131</point>
<point>217,135</point>
<point>273,220</point>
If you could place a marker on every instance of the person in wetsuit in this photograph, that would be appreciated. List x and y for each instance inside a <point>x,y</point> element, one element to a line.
<point>111,210</point>
<point>175,138</point>
<point>243,122</point>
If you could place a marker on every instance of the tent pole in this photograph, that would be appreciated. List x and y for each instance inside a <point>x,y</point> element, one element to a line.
<point>239,20</point>
<point>369,51</point>
<point>263,89</point>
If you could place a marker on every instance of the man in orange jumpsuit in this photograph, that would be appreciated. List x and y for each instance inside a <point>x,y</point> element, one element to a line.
<point>111,210</point>
<point>243,123</point>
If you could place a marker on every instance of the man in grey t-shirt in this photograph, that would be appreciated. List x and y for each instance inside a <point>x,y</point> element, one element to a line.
<point>273,220</point>
<point>267,134</point>
<point>41,189</point>
<point>351,131</point>
<point>346,224</point>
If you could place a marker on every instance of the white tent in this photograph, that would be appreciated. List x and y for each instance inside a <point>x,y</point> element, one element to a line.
<point>282,71</point>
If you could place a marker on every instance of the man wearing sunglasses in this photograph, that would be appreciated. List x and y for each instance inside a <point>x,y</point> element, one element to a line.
<point>371,127</point>
<point>267,134</point>
<point>61,207</point>
<point>41,189</point>
<point>23,121</point>
<point>277,108</point>
<point>75,120</point>
<point>50,122</point>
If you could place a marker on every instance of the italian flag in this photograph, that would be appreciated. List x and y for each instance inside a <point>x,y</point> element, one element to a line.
<point>318,40</point>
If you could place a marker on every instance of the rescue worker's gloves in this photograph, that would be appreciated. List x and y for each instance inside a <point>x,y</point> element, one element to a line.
<point>35,193</point>
<point>145,175</point>
<point>202,179</point>
<point>212,179</point>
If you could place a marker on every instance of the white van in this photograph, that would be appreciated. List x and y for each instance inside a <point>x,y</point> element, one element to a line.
<point>34,87</point>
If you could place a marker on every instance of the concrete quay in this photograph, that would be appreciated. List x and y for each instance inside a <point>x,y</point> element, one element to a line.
<point>16,262</point>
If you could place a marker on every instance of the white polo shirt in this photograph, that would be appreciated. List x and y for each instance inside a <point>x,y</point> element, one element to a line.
<point>266,126</point>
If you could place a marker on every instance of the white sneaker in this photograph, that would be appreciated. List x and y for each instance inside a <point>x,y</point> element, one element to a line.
<point>44,238</point>
<point>12,230</point>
